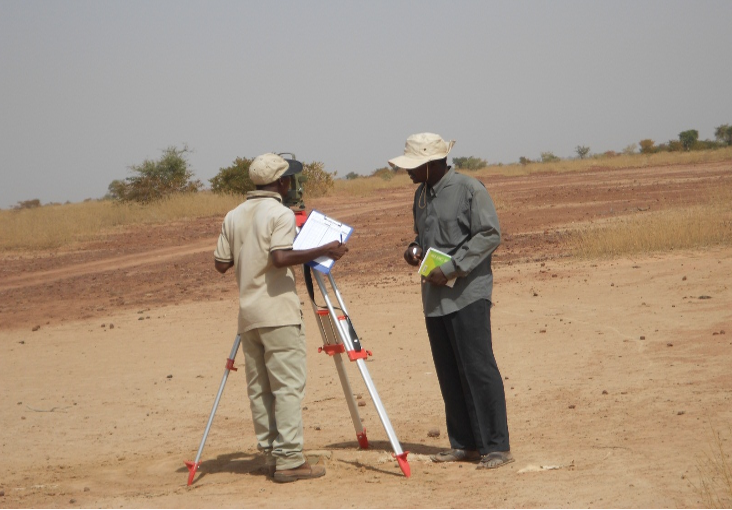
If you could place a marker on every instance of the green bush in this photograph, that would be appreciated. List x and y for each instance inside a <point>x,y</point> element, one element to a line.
<point>549,157</point>
<point>157,179</point>
<point>647,146</point>
<point>688,138</point>
<point>469,163</point>
<point>233,179</point>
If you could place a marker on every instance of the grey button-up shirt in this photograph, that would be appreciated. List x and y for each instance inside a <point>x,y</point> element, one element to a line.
<point>457,216</point>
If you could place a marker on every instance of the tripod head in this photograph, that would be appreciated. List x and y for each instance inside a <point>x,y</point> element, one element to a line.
<point>294,199</point>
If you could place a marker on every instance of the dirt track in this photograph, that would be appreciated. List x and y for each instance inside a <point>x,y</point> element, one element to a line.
<point>616,372</point>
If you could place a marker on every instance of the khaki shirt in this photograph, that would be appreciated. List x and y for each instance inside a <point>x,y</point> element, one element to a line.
<point>249,233</point>
<point>457,216</point>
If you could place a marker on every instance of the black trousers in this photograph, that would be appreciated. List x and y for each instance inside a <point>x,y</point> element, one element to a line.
<point>470,382</point>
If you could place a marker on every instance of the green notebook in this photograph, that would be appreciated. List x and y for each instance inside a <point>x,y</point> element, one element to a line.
<point>432,259</point>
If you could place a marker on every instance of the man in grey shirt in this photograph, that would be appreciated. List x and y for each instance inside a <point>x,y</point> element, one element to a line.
<point>454,213</point>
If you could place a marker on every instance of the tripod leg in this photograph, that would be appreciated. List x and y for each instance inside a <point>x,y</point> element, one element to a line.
<point>350,344</point>
<point>363,441</point>
<point>193,466</point>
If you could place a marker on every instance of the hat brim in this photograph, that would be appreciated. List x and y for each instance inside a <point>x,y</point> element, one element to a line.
<point>294,167</point>
<point>409,162</point>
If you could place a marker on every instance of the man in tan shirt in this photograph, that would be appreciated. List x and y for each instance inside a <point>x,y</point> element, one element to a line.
<point>256,239</point>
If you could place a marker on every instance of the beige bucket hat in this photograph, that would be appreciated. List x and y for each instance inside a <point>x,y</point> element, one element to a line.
<point>269,167</point>
<point>420,149</point>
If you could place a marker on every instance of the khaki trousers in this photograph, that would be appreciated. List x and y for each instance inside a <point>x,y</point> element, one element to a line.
<point>275,370</point>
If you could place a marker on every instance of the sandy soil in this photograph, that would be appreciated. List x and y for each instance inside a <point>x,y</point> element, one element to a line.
<point>616,372</point>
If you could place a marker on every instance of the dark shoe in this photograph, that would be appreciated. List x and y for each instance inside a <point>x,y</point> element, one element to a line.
<point>305,472</point>
<point>456,455</point>
<point>495,460</point>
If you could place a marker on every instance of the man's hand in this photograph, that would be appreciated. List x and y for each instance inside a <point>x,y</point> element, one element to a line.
<point>436,277</point>
<point>335,250</point>
<point>413,255</point>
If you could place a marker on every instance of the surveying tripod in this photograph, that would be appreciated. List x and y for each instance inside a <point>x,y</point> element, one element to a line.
<point>339,337</point>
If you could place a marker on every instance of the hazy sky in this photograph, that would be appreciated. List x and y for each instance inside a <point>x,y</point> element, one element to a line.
<point>89,88</point>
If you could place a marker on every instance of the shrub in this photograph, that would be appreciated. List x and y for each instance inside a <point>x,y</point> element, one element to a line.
<point>469,163</point>
<point>28,204</point>
<point>524,161</point>
<point>631,149</point>
<point>233,179</point>
<point>157,179</point>
<point>318,182</point>
<point>352,175</point>
<point>549,157</point>
<point>647,146</point>
<point>723,134</point>
<point>582,151</point>
<point>688,138</point>
<point>384,173</point>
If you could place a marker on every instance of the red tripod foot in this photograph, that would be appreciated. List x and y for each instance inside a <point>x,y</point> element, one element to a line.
<point>192,467</point>
<point>363,441</point>
<point>403,464</point>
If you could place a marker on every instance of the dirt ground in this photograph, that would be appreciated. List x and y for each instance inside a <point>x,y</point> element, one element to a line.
<point>616,372</point>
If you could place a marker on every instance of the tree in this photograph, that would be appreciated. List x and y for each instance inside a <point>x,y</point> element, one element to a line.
<point>318,182</point>
<point>524,160</point>
<point>723,133</point>
<point>688,138</point>
<point>352,175</point>
<point>582,151</point>
<point>548,157</point>
<point>469,163</point>
<point>28,204</point>
<point>647,146</point>
<point>233,179</point>
<point>158,179</point>
<point>631,149</point>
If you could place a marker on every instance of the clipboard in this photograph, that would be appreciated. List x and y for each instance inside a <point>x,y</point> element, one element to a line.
<point>318,230</point>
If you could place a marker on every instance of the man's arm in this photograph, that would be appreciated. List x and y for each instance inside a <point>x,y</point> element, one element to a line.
<point>486,236</point>
<point>283,258</point>
<point>222,267</point>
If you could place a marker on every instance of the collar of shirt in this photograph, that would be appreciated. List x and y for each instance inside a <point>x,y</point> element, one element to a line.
<point>264,194</point>
<point>442,182</point>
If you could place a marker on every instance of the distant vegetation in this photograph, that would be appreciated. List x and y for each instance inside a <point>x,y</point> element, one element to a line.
<point>165,190</point>
<point>156,179</point>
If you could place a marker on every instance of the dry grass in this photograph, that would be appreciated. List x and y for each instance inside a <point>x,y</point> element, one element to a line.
<point>706,225</point>
<point>54,226</point>
<point>364,186</point>
<point>614,162</point>
<point>715,475</point>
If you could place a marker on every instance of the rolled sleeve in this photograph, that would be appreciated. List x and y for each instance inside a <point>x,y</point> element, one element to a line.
<point>223,251</point>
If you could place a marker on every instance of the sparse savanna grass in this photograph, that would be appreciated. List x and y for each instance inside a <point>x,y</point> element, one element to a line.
<point>54,226</point>
<point>364,186</point>
<point>705,225</point>
<point>714,483</point>
<point>613,162</point>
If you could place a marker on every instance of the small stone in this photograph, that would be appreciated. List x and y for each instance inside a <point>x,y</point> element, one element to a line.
<point>72,501</point>
<point>683,279</point>
<point>36,328</point>
<point>705,297</point>
<point>86,489</point>
<point>2,493</point>
<point>542,331</point>
<point>721,332</point>
<point>22,342</point>
<point>111,326</point>
<point>170,376</point>
<point>141,318</point>
<point>571,406</point>
<point>361,403</point>
<point>433,433</point>
<point>642,337</point>
<point>317,427</point>
<point>680,413</point>
<point>669,345</point>
<point>604,392</point>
